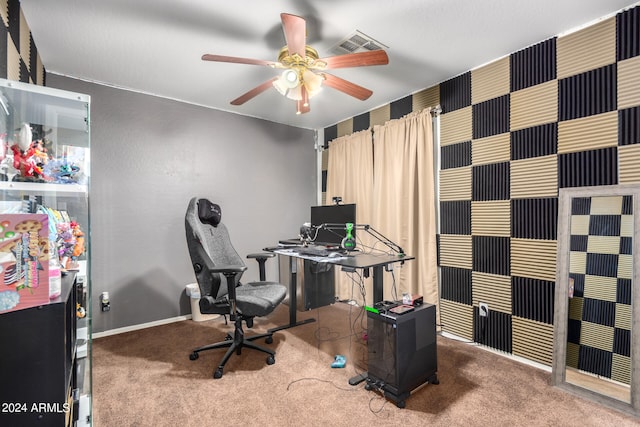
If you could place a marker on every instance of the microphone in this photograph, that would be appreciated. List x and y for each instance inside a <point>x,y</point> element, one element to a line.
<point>307,232</point>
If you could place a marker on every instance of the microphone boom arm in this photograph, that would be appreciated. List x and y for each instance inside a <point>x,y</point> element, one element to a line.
<point>369,229</point>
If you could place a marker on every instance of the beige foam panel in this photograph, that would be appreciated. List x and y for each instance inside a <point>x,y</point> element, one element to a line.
<point>455,184</point>
<point>577,262</point>
<point>588,133</point>
<point>492,289</point>
<point>573,353</point>
<point>587,49</point>
<point>534,177</point>
<point>596,336</point>
<point>629,163</point>
<point>606,205</point>
<point>534,258</point>
<point>603,244</point>
<point>455,251</point>
<point>629,83</point>
<point>25,36</point>
<point>345,128</point>
<point>532,340</point>
<point>625,266</point>
<point>426,98</point>
<point>40,73</point>
<point>492,149</point>
<point>13,61</point>
<point>535,105</point>
<point>580,225</point>
<point>491,218</point>
<point>457,319</point>
<point>4,12</point>
<point>575,308</point>
<point>621,368</point>
<point>456,126</point>
<point>600,288</point>
<point>380,115</point>
<point>626,226</point>
<point>490,81</point>
<point>623,316</point>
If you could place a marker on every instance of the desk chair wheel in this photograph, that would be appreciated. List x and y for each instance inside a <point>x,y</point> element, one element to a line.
<point>229,337</point>
<point>269,340</point>
<point>218,373</point>
<point>194,356</point>
<point>271,360</point>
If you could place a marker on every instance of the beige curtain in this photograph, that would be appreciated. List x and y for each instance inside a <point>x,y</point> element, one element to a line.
<point>350,176</point>
<point>404,201</point>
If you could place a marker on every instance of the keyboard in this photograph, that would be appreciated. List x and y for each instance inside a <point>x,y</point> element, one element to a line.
<point>320,251</point>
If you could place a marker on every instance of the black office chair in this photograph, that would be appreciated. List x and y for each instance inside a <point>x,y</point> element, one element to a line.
<point>218,269</point>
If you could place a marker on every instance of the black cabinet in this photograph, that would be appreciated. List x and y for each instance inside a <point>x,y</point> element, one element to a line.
<point>402,352</point>
<point>38,362</point>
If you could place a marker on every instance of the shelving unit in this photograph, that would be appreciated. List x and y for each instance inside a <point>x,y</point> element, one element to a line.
<point>45,362</point>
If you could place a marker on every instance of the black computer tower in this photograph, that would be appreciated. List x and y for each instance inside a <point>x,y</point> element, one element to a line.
<point>314,281</point>
<point>402,351</point>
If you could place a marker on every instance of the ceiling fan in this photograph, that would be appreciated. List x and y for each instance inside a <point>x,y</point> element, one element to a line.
<point>303,74</point>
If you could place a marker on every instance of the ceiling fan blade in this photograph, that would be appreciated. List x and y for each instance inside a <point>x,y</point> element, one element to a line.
<point>347,87</point>
<point>361,59</point>
<point>302,105</point>
<point>301,108</point>
<point>254,92</point>
<point>295,33</point>
<point>236,60</point>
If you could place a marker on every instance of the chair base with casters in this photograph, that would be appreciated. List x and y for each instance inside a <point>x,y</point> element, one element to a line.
<point>236,343</point>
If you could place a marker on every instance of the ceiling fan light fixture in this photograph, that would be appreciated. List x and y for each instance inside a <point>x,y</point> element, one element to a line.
<point>312,82</point>
<point>287,82</point>
<point>295,93</point>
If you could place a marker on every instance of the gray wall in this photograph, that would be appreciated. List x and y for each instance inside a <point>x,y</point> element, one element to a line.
<point>149,156</point>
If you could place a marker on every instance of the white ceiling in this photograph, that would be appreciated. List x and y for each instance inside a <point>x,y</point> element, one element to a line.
<point>155,46</point>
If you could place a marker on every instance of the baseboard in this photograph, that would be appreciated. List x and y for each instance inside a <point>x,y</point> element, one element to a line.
<point>498,352</point>
<point>139,326</point>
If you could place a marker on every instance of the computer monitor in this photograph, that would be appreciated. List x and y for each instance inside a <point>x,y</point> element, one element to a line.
<point>333,214</point>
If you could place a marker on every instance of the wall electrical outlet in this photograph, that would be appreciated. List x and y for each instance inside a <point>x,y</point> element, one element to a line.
<point>484,309</point>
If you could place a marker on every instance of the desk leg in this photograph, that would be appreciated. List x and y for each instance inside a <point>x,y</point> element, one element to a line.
<point>378,295</point>
<point>378,283</point>
<point>293,301</point>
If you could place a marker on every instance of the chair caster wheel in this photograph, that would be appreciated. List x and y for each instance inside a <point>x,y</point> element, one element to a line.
<point>268,340</point>
<point>368,387</point>
<point>228,337</point>
<point>193,356</point>
<point>271,360</point>
<point>217,374</point>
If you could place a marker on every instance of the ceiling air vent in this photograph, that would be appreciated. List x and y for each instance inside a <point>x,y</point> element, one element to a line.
<point>357,42</point>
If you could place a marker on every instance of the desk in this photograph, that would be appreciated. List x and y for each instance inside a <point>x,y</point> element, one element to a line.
<point>355,260</point>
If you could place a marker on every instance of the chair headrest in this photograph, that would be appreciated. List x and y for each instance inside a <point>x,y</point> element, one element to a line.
<point>209,213</point>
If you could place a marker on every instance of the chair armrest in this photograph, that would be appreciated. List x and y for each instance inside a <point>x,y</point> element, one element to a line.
<point>230,272</point>
<point>261,257</point>
<point>231,269</point>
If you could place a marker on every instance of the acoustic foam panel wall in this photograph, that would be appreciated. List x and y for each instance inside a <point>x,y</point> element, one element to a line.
<point>628,34</point>
<point>455,155</point>
<point>567,99</point>
<point>456,217</point>
<point>455,93</point>
<point>534,141</point>
<point>534,65</point>
<point>456,284</point>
